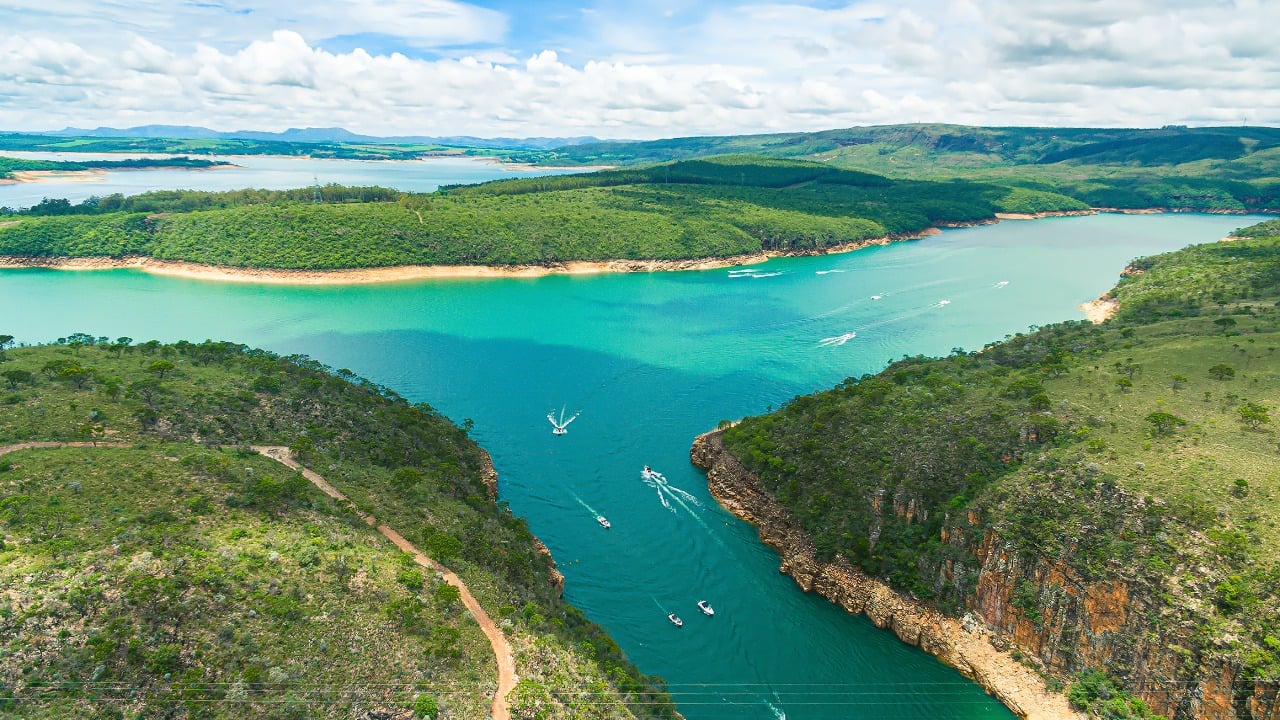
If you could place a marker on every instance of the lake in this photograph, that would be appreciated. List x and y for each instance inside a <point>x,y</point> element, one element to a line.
<point>650,360</point>
<point>258,171</point>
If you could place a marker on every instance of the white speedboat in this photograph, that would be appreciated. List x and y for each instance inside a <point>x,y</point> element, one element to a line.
<point>603,522</point>
<point>675,620</point>
<point>649,473</point>
<point>706,608</point>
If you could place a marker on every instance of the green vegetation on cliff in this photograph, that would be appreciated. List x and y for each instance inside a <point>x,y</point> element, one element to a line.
<point>1129,466</point>
<point>170,569</point>
<point>697,209</point>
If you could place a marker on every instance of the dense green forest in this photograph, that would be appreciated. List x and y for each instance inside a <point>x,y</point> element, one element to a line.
<point>10,165</point>
<point>1141,450</point>
<point>706,208</point>
<point>171,568</point>
<point>1227,168</point>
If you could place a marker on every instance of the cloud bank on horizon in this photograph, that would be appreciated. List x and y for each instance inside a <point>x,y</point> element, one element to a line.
<point>635,70</point>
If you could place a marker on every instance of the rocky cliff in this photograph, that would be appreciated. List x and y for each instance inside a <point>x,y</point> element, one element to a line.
<point>1019,621</point>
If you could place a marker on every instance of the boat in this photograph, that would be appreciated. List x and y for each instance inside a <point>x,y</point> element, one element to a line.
<point>603,522</point>
<point>649,473</point>
<point>675,620</point>
<point>560,426</point>
<point>706,608</point>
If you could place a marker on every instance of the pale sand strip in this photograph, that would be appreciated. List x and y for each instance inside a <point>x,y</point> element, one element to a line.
<point>1100,310</point>
<point>404,273</point>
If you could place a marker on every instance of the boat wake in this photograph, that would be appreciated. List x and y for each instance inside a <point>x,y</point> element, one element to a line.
<point>753,273</point>
<point>825,272</point>
<point>669,494</point>
<point>1001,284</point>
<point>838,340</point>
<point>560,426</point>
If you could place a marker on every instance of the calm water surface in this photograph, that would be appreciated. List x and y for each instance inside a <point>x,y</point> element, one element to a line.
<point>651,360</point>
<point>256,171</point>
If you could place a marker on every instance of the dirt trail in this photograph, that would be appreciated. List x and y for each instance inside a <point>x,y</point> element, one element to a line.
<point>501,649</point>
<point>6,449</point>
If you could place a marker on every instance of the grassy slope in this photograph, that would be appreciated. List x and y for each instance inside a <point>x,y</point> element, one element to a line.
<point>358,436</point>
<point>723,207</point>
<point>1046,438</point>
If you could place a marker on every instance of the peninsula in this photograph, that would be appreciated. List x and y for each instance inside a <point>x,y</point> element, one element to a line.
<point>192,526</point>
<point>1097,501</point>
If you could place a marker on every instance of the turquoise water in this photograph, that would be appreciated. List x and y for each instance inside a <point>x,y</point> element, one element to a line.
<point>651,360</point>
<point>258,171</point>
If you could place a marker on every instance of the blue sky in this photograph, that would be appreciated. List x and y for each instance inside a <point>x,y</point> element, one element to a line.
<point>634,69</point>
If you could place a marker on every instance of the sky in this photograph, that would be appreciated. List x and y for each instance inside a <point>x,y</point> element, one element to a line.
<point>642,70</point>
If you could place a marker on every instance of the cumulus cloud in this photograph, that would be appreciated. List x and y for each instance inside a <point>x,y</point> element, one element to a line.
<point>750,67</point>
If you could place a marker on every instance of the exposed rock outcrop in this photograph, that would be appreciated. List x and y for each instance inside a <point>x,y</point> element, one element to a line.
<point>1041,612</point>
<point>965,648</point>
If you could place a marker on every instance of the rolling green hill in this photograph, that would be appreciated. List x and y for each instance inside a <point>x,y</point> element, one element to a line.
<point>718,207</point>
<point>166,567</point>
<point>1212,168</point>
<point>1102,496</point>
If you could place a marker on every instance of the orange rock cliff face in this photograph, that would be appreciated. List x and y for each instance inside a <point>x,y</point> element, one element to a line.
<point>993,639</point>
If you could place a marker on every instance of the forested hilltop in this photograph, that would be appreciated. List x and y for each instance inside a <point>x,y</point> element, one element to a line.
<point>1102,499</point>
<point>1210,168</point>
<point>11,165</point>
<point>719,207</point>
<point>163,568</point>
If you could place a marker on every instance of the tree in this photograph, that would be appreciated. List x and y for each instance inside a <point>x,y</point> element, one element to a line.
<point>160,367</point>
<point>1164,423</point>
<point>1225,323</point>
<point>1254,415</point>
<point>146,388</point>
<point>406,478</point>
<point>1222,371</point>
<point>75,375</point>
<point>14,377</point>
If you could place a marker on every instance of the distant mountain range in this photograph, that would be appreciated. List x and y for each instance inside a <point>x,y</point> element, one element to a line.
<point>318,135</point>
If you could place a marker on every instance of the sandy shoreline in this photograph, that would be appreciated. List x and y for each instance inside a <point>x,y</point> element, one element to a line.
<point>406,273</point>
<point>1100,310</point>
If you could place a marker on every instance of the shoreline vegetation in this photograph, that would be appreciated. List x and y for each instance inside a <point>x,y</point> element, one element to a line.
<point>24,170</point>
<point>1096,311</point>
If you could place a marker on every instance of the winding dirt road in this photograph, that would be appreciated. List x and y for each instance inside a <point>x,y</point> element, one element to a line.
<point>501,648</point>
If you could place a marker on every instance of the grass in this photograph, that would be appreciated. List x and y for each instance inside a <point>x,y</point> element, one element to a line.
<point>135,586</point>
<point>1204,459</point>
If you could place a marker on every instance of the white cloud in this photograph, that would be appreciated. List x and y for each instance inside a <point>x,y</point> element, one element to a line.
<point>753,67</point>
